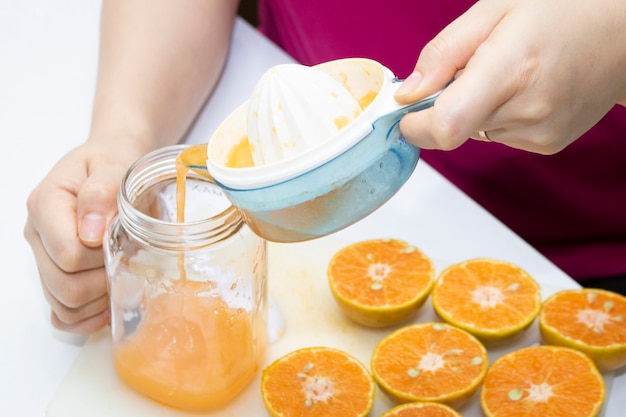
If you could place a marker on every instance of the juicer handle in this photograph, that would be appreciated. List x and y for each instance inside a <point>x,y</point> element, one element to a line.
<point>397,111</point>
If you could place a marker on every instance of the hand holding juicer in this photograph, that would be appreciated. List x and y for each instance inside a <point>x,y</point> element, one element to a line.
<point>331,185</point>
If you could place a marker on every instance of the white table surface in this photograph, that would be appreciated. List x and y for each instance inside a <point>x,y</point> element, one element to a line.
<point>48,54</point>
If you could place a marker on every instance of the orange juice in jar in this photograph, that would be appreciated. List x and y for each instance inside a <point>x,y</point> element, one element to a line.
<point>187,287</point>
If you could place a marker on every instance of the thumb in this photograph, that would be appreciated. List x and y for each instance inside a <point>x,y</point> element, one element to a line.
<point>449,52</point>
<point>96,205</point>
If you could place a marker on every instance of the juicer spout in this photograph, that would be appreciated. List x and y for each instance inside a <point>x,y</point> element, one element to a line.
<point>194,158</point>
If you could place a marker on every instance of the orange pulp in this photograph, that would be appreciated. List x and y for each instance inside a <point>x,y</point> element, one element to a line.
<point>190,351</point>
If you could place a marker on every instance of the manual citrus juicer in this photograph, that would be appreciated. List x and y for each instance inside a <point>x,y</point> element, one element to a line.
<point>331,186</point>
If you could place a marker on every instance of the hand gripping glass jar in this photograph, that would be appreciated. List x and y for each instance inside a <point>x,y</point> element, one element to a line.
<point>188,299</point>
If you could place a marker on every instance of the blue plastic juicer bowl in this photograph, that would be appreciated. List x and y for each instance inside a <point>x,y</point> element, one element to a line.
<point>335,184</point>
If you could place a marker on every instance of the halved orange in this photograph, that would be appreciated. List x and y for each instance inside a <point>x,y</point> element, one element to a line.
<point>380,282</point>
<point>421,409</point>
<point>317,382</point>
<point>494,300</point>
<point>546,381</point>
<point>590,320</point>
<point>430,362</point>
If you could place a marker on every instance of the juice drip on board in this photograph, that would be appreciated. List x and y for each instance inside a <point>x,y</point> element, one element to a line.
<point>191,351</point>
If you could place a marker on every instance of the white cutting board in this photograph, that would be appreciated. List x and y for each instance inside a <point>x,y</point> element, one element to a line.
<point>298,286</point>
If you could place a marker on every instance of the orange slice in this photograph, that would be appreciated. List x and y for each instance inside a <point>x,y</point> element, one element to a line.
<point>590,320</point>
<point>430,362</point>
<point>546,381</point>
<point>421,409</point>
<point>494,300</point>
<point>380,282</point>
<point>317,382</point>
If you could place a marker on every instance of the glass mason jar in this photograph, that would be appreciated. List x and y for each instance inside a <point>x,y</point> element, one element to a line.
<point>188,299</point>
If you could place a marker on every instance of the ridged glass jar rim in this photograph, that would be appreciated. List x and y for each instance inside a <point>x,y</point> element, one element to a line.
<point>152,169</point>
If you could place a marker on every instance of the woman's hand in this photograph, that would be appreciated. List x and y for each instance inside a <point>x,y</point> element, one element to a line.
<point>158,63</point>
<point>533,74</point>
<point>68,213</point>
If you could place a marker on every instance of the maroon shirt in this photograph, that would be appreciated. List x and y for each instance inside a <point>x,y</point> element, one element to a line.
<point>570,206</point>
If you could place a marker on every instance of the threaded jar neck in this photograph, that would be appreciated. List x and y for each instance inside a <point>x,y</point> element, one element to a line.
<point>147,205</point>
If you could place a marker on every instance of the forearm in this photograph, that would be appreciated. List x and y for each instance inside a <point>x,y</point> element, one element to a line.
<point>159,60</point>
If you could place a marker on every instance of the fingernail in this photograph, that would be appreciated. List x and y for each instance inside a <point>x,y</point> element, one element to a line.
<point>410,84</point>
<point>91,227</point>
